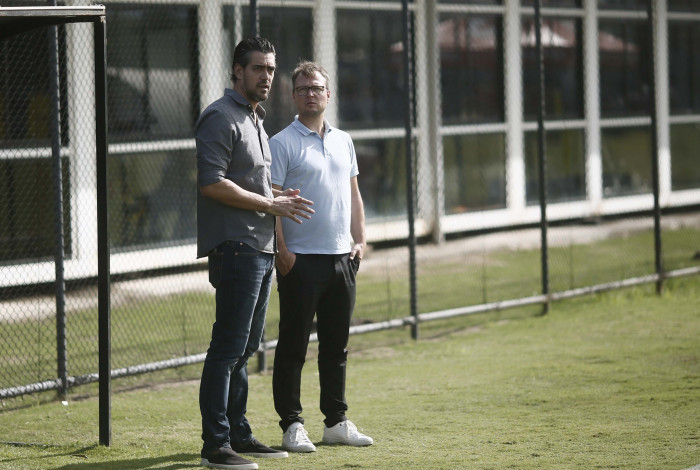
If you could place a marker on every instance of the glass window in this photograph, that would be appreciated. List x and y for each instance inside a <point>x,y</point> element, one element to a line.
<point>152,199</point>
<point>152,71</point>
<point>683,5</point>
<point>626,161</point>
<point>553,3</point>
<point>684,67</point>
<point>26,209</point>
<point>471,52</point>
<point>563,68</point>
<point>370,69</point>
<point>685,142</point>
<point>26,184</point>
<point>622,4</point>
<point>566,167</point>
<point>473,2</point>
<point>25,97</point>
<point>291,32</point>
<point>475,170</point>
<point>625,66</point>
<point>382,177</point>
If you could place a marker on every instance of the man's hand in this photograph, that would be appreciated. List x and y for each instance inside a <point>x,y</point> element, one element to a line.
<point>285,261</point>
<point>358,249</point>
<point>289,204</point>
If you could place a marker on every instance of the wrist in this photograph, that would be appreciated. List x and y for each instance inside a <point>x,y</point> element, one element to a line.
<point>268,204</point>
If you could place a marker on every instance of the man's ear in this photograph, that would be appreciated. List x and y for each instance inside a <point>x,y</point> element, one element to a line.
<point>238,71</point>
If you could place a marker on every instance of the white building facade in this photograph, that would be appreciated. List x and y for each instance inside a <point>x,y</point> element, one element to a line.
<point>475,144</point>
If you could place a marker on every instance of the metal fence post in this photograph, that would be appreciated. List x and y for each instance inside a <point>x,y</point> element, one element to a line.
<point>410,180</point>
<point>104,320</point>
<point>57,169</point>
<point>542,155</point>
<point>255,31</point>
<point>658,259</point>
<point>254,18</point>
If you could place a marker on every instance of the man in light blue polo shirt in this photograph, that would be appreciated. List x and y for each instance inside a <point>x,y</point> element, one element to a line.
<point>317,261</point>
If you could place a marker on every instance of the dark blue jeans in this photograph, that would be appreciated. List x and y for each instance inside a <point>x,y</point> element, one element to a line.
<point>241,276</point>
<point>321,286</point>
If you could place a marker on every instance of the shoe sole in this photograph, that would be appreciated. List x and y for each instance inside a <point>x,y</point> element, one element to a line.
<point>299,450</point>
<point>268,455</point>
<point>243,466</point>
<point>343,443</point>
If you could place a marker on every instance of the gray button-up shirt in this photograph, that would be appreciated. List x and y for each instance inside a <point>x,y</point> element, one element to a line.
<point>231,145</point>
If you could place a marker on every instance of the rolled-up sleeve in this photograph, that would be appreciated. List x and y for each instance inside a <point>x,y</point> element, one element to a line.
<point>278,168</point>
<point>214,138</point>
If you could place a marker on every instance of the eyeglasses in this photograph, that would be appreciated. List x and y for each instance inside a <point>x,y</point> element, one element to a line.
<point>304,90</point>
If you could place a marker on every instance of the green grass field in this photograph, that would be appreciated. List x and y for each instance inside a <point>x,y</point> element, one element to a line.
<point>607,381</point>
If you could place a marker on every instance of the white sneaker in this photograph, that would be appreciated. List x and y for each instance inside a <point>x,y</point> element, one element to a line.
<point>296,439</point>
<point>345,432</point>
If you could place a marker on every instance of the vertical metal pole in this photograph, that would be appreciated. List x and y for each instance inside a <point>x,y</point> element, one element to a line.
<point>59,255</point>
<point>254,31</point>
<point>658,258</point>
<point>262,356</point>
<point>542,154</point>
<point>254,18</point>
<point>410,182</point>
<point>103,287</point>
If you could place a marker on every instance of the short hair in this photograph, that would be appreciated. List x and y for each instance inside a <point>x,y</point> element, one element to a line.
<point>244,49</point>
<point>309,68</point>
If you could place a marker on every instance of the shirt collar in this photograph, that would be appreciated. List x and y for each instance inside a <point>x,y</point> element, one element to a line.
<point>238,98</point>
<point>297,124</point>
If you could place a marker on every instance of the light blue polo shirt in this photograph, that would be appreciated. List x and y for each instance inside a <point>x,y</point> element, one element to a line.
<point>321,169</point>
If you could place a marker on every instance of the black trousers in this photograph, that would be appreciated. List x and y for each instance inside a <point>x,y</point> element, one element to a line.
<point>321,285</point>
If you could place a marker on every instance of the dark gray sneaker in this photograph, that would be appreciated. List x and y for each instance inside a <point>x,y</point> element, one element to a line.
<point>255,448</point>
<point>226,458</point>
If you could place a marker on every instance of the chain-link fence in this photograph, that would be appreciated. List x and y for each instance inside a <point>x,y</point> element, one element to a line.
<point>47,161</point>
<point>475,155</point>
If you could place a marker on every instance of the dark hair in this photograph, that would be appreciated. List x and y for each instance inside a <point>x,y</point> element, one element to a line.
<point>309,69</point>
<point>241,55</point>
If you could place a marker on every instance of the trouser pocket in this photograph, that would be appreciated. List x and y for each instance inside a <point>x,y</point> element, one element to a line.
<point>216,262</point>
<point>354,264</point>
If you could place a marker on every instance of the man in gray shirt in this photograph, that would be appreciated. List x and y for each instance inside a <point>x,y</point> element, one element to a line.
<point>236,209</point>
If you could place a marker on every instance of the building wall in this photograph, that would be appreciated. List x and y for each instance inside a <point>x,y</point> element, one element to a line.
<point>475,72</point>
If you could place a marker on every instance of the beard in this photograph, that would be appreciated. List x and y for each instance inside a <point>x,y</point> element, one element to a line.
<point>254,94</point>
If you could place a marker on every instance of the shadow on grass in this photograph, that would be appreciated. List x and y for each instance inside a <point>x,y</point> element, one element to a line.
<point>161,463</point>
<point>77,453</point>
<point>127,464</point>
